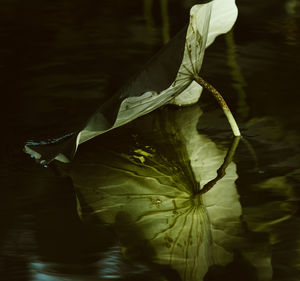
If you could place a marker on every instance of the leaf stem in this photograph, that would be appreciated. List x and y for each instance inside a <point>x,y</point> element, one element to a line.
<point>222,103</point>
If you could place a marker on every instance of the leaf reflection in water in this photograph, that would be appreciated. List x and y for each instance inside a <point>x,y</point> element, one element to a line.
<point>147,189</point>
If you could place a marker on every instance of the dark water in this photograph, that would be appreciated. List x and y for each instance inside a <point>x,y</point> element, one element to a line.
<point>60,59</point>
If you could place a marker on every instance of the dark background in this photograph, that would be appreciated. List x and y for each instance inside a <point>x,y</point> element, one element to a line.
<point>60,59</point>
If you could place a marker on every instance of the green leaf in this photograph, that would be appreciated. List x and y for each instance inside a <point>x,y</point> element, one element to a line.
<point>150,188</point>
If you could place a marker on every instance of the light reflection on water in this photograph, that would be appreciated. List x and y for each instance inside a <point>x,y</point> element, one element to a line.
<point>62,72</point>
<point>110,266</point>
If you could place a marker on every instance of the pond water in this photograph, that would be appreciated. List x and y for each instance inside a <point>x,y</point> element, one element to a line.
<point>125,208</point>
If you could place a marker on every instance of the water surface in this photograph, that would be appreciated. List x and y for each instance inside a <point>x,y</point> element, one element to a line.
<point>60,60</point>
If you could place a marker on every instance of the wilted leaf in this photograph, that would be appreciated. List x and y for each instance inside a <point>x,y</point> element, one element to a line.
<point>166,76</point>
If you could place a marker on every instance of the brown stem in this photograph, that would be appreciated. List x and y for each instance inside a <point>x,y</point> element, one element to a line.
<point>222,103</point>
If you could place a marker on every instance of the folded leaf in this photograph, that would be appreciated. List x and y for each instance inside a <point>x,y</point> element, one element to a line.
<point>166,76</point>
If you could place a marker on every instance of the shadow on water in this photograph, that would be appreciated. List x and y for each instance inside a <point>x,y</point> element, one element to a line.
<point>136,216</point>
